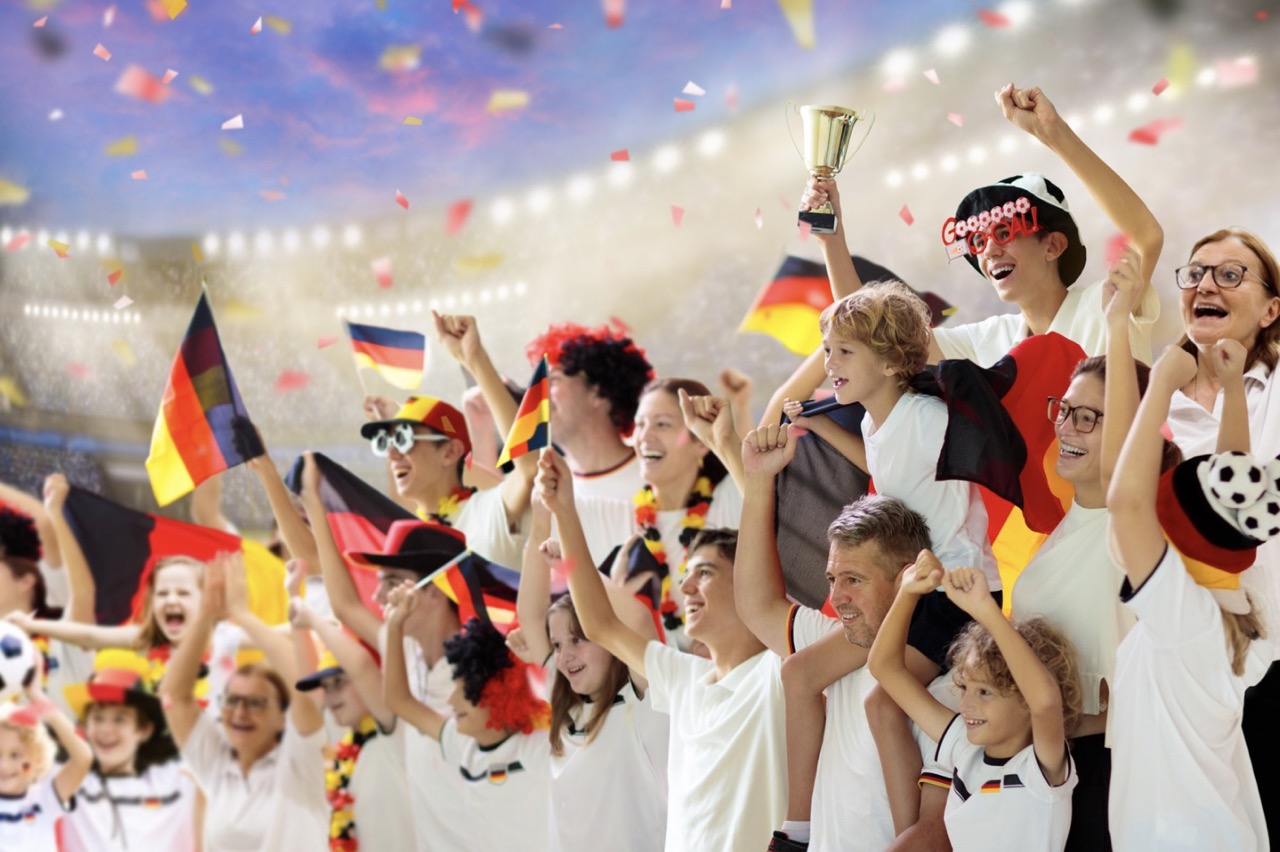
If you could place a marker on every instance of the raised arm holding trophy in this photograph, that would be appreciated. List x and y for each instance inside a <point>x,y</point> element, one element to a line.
<point>828,131</point>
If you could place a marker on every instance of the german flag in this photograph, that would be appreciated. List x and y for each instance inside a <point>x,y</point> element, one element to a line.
<point>122,547</point>
<point>359,516</point>
<point>203,428</point>
<point>397,356</point>
<point>531,429</point>
<point>481,589</point>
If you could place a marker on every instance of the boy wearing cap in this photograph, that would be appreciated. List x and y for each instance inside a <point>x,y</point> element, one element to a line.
<point>138,795</point>
<point>1020,235</point>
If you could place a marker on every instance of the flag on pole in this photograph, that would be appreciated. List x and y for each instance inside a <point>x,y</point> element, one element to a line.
<point>203,428</point>
<point>481,589</point>
<point>531,429</point>
<point>398,356</point>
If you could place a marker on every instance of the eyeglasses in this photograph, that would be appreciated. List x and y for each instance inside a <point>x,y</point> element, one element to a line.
<point>1001,234</point>
<point>1082,418</point>
<point>1227,275</point>
<point>402,437</point>
<point>251,703</point>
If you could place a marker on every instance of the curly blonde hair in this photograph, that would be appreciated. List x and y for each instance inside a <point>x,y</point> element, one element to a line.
<point>889,319</point>
<point>35,740</point>
<point>975,649</point>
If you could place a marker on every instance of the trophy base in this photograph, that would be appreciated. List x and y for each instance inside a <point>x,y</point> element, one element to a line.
<point>819,223</point>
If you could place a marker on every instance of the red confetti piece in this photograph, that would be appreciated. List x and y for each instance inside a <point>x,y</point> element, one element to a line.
<point>226,663</point>
<point>41,22</point>
<point>256,28</point>
<point>382,272</point>
<point>115,277</point>
<point>1116,245</point>
<point>324,341</point>
<point>759,219</point>
<point>683,105</point>
<point>272,194</point>
<point>614,11</point>
<point>555,26</point>
<point>1160,86</point>
<point>140,174</point>
<point>456,219</point>
<point>1261,14</point>
<point>1149,134</point>
<point>292,380</point>
<point>677,215</point>
<point>401,200</point>
<point>18,242</point>
<point>474,17</point>
<point>897,84</point>
<point>169,76</point>
<point>905,215</point>
<point>1236,72</point>
<point>77,370</point>
<point>136,82</point>
<point>102,53</point>
<point>731,97</point>
<point>622,156</point>
<point>109,16</point>
<point>956,118</point>
<point>726,4</point>
<point>992,19</point>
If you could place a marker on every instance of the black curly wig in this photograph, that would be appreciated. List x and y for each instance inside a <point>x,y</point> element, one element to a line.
<point>493,679</point>
<point>610,361</point>
<point>18,535</point>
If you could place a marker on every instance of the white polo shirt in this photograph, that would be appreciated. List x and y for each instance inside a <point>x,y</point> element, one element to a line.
<point>435,788</point>
<point>505,799</point>
<point>728,760</point>
<point>150,812</point>
<point>483,520</point>
<point>279,807</point>
<point>382,809</point>
<point>28,822</point>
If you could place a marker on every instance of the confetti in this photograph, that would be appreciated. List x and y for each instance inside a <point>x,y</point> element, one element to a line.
<point>102,53</point>
<point>60,249</point>
<point>1232,73</point>
<point>1115,248</point>
<point>78,370</point>
<point>230,147</point>
<point>18,242</point>
<point>122,303</point>
<point>196,254</point>
<point>399,58</point>
<point>280,25</point>
<point>474,16</point>
<point>456,219</point>
<point>55,114</point>
<point>10,390</point>
<point>897,84</point>
<point>137,82</point>
<point>292,380</point>
<point>1261,14</point>
<point>956,118</point>
<point>412,121</point>
<point>140,174</point>
<point>621,156</point>
<point>11,193</point>
<point>692,88</point>
<point>932,76</point>
<point>174,7</point>
<point>382,272</point>
<point>614,11</point>
<point>475,263</point>
<point>1149,134</point>
<point>505,100</point>
<point>995,20</point>
<point>124,352</point>
<point>234,123</point>
<point>677,215</point>
<point>799,14</point>
<point>271,194</point>
<point>109,16</point>
<point>1160,86</point>
<point>555,26</point>
<point>401,200</point>
<point>683,105</point>
<point>726,4</point>
<point>325,340</point>
<point>905,215</point>
<point>113,278</point>
<point>256,28</point>
<point>41,22</point>
<point>169,76</point>
<point>201,85</point>
<point>731,98</point>
<point>804,228</point>
<point>759,219</point>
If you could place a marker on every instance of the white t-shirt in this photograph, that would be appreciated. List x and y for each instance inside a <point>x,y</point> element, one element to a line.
<point>505,802</point>
<point>28,822</point>
<point>728,760</point>
<point>1003,804</point>
<point>150,812</point>
<point>850,804</point>
<point>1181,778</point>
<point>435,787</point>
<point>1079,318</point>
<point>1073,583</point>
<point>279,806</point>
<point>1195,431</point>
<point>382,810</point>
<point>620,484</point>
<point>630,751</point>
<point>483,520</point>
<point>902,454</point>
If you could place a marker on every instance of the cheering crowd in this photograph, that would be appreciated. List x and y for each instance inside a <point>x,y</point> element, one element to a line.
<point>1068,651</point>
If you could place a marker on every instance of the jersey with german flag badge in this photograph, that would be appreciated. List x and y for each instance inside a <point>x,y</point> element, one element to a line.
<point>505,802</point>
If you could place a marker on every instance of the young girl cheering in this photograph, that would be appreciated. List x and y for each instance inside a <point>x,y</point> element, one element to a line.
<point>1019,697</point>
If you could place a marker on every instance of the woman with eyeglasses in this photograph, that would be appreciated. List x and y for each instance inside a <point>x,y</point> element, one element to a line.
<point>261,763</point>
<point>1230,289</point>
<point>1072,580</point>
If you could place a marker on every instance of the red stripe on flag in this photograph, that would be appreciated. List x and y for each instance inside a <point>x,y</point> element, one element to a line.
<point>354,532</point>
<point>814,292</point>
<point>407,359</point>
<point>188,427</point>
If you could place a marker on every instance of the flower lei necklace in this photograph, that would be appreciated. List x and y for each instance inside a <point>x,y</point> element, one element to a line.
<point>695,518</point>
<point>450,505</point>
<point>337,784</point>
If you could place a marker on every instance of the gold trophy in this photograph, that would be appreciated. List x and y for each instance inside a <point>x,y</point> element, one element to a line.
<point>827,133</point>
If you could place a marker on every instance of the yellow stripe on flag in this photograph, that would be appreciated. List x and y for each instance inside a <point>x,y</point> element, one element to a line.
<point>168,472</point>
<point>398,376</point>
<point>266,576</point>
<point>794,326</point>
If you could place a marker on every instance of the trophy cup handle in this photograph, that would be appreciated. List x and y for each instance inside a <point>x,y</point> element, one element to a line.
<point>865,133</point>
<point>788,108</point>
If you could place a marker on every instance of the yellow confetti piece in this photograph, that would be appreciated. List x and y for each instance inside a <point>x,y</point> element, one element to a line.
<point>174,7</point>
<point>400,58</point>
<point>239,311</point>
<point>413,121</point>
<point>196,254</point>
<point>477,262</point>
<point>10,390</point>
<point>1182,67</point>
<point>11,193</point>
<point>126,147</point>
<point>280,25</point>
<point>504,100</point>
<point>124,352</point>
<point>60,249</point>
<point>381,4</point>
<point>799,14</point>
<point>233,149</point>
<point>201,85</point>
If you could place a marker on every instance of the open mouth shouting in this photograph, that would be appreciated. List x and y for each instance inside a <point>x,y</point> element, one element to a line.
<point>173,621</point>
<point>1000,270</point>
<point>1208,310</point>
<point>1067,451</point>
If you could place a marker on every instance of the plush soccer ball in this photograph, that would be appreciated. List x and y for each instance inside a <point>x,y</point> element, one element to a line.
<point>1262,519</point>
<point>17,661</point>
<point>1236,480</point>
